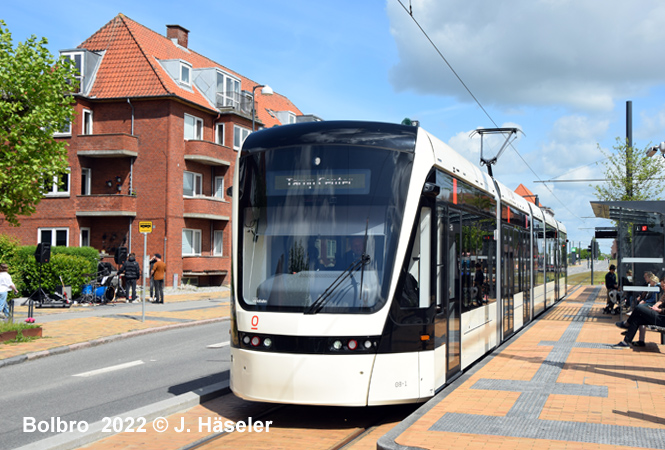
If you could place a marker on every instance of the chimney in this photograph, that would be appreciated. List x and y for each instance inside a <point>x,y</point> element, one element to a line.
<point>178,34</point>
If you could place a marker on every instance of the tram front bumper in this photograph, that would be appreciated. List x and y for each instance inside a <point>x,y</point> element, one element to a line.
<point>334,380</point>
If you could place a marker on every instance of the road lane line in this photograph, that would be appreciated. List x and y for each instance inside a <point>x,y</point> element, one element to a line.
<point>220,345</point>
<point>109,369</point>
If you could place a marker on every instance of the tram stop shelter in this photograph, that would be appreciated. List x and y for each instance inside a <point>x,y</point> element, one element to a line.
<point>639,242</point>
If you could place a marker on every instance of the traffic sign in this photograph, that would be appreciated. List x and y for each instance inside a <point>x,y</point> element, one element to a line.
<point>145,227</point>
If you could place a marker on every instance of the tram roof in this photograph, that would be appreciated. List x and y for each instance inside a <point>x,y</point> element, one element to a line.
<point>334,132</point>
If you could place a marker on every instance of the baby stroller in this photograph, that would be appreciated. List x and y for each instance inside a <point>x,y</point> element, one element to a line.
<point>613,302</point>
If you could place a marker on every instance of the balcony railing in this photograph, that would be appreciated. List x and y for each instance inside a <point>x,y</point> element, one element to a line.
<point>106,205</point>
<point>210,208</point>
<point>240,102</point>
<point>208,153</point>
<point>116,145</point>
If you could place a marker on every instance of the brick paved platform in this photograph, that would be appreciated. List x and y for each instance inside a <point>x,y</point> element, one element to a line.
<point>561,383</point>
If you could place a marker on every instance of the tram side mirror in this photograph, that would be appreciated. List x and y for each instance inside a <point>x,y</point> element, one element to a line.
<point>229,191</point>
<point>431,190</point>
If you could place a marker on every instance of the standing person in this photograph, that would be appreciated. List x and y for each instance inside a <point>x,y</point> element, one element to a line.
<point>158,273</point>
<point>132,272</point>
<point>478,283</point>
<point>153,260</point>
<point>6,284</point>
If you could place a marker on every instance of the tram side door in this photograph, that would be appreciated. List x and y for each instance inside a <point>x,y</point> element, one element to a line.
<point>453,297</point>
<point>507,279</point>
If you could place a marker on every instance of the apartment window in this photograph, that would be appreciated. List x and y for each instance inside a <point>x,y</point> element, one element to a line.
<point>193,128</point>
<point>219,187</point>
<point>86,183</point>
<point>218,238</point>
<point>191,242</point>
<point>54,236</point>
<point>87,122</point>
<point>77,59</point>
<point>66,130</point>
<point>229,89</point>
<point>239,136</point>
<point>85,237</point>
<point>192,183</point>
<point>185,72</point>
<point>57,186</point>
<point>219,133</point>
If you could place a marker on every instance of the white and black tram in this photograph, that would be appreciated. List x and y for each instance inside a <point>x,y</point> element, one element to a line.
<point>372,264</point>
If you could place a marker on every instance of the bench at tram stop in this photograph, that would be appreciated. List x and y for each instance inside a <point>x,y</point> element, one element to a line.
<point>658,329</point>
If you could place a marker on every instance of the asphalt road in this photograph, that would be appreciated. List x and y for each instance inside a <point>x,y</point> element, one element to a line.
<point>104,381</point>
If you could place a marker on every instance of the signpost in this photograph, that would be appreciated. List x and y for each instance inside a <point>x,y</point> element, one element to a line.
<point>145,228</point>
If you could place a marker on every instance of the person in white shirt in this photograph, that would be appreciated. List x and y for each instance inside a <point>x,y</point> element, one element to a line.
<point>6,284</point>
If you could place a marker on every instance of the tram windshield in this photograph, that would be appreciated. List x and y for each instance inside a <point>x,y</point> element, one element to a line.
<point>319,226</point>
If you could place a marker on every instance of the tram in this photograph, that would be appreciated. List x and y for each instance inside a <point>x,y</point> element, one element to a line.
<point>372,264</point>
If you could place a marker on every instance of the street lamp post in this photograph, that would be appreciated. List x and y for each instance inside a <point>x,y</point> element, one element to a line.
<point>266,90</point>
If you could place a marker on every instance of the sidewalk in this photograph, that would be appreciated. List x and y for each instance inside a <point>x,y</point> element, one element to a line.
<point>66,329</point>
<point>561,383</point>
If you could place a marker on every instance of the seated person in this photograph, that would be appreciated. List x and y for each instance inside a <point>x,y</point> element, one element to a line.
<point>355,252</point>
<point>651,297</point>
<point>643,315</point>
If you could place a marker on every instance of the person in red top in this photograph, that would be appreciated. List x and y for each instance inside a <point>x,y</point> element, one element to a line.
<point>158,274</point>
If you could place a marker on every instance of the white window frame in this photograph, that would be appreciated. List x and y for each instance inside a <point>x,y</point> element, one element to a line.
<point>219,188</point>
<point>193,128</point>
<point>238,138</point>
<point>66,131</point>
<point>185,68</point>
<point>55,191</point>
<point>218,243</point>
<point>72,57</point>
<point>197,185</point>
<point>54,233</point>
<point>82,240</point>
<point>86,181</point>
<point>219,133</point>
<point>230,89</point>
<point>196,241</point>
<point>86,122</point>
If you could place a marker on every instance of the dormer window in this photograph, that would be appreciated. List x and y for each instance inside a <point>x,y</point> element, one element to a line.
<point>85,63</point>
<point>185,73</point>
<point>228,90</point>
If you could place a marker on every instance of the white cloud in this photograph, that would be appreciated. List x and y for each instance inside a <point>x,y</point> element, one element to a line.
<point>577,53</point>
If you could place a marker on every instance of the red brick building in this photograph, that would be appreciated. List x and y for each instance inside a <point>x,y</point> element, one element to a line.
<point>155,138</point>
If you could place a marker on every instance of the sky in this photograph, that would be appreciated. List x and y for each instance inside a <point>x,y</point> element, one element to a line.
<point>559,70</point>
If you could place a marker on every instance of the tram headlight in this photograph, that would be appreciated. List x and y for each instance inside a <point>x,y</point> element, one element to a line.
<point>337,345</point>
<point>368,344</point>
<point>256,341</point>
<point>267,342</point>
<point>352,344</point>
<point>246,340</point>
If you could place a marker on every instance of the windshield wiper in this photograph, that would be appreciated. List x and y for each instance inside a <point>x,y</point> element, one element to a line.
<point>325,295</point>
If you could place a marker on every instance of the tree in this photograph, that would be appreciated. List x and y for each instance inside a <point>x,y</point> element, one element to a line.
<point>630,175</point>
<point>35,101</point>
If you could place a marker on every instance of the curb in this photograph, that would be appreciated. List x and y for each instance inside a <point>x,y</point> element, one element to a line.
<point>164,408</point>
<point>103,340</point>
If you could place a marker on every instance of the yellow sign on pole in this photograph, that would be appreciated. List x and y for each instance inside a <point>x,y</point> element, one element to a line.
<point>145,227</point>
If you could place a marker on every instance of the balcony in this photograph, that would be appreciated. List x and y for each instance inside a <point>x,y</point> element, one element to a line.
<point>205,265</point>
<point>238,102</point>
<point>119,145</point>
<point>209,208</point>
<point>113,205</point>
<point>208,153</point>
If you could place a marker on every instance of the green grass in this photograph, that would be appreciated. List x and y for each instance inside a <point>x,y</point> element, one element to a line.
<point>585,278</point>
<point>16,326</point>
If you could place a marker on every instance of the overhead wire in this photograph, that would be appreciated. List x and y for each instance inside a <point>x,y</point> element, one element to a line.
<point>409,11</point>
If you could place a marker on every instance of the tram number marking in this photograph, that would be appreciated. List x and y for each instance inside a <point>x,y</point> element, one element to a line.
<point>255,322</point>
<point>400,384</point>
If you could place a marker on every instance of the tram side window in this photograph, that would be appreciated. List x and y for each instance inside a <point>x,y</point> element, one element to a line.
<point>411,277</point>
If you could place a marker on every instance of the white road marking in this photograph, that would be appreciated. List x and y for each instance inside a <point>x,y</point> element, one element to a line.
<point>92,373</point>
<point>220,345</point>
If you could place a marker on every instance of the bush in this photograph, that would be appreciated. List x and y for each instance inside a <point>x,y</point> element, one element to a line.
<point>70,263</point>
